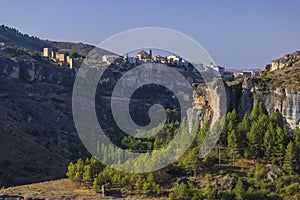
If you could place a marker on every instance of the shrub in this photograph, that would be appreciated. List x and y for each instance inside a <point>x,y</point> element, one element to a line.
<point>292,189</point>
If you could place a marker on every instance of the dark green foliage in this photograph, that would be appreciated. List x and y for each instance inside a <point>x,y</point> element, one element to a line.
<point>232,141</point>
<point>280,142</point>
<point>258,110</point>
<point>84,171</point>
<point>239,189</point>
<point>192,161</point>
<point>269,142</point>
<point>258,136</point>
<point>297,147</point>
<point>187,191</point>
<point>75,54</point>
<point>289,159</point>
<point>255,140</point>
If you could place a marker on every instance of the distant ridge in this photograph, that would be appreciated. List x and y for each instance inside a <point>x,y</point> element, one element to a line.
<point>13,37</point>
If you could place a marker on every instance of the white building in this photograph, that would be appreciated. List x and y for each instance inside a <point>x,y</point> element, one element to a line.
<point>218,69</point>
<point>110,58</point>
<point>174,59</point>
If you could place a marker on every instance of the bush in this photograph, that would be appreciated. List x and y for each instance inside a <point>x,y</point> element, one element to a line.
<point>292,189</point>
<point>209,177</point>
<point>184,191</point>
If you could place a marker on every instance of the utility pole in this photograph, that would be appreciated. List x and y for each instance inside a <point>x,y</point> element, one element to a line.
<point>219,149</point>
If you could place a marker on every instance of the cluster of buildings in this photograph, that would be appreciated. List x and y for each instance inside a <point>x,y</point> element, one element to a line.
<point>246,74</point>
<point>59,57</point>
<point>143,57</point>
<point>146,57</point>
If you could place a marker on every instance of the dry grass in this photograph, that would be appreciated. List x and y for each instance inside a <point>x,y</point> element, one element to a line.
<point>59,189</point>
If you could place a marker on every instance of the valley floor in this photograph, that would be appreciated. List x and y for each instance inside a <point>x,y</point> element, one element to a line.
<point>57,189</point>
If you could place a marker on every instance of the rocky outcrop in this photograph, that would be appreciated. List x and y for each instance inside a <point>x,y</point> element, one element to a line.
<point>32,70</point>
<point>228,183</point>
<point>243,95</point>
<point>286,61</point>
<point>283,100</point>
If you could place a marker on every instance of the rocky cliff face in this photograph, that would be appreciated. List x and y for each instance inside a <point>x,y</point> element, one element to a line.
<point>243,95</point>
<point>34,70</point>
<point>286,61</point>
<point>249,92</point>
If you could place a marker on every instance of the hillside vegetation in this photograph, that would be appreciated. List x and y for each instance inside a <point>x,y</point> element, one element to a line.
<point>259,160</point>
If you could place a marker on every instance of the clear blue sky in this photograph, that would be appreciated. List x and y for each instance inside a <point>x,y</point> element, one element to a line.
<point>244,34</point>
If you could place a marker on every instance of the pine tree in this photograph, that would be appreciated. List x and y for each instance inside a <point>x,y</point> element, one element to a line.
<point>202,133</point>
<point>276,119</point>
<point>231,121</point>
<point>269,142</point>
<point>96,184</point>
<point>254,138</point>
<point>289,159</point>
<point>192,160</point>
<point>258,110</point>
<point>279,150</point>
<point>71,171</point>
<point>239,189</point>
<point>232,141</point>
<point>87,176</point>
<point>243,128</point>
<point>96,166</point>
<point>78,179</point>
<point>79,172</point>
<point>297,147</point>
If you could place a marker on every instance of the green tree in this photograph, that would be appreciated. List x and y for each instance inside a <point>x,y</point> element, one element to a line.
<point>150,186</point>
<point>269,142</point>
<point>96,184</point>
<point>260,172</point>
<point>209,191</point>
<point>96,166</point>
<point>258,110</point>
<point>289,159</point>
<point>202,133</point>
<point>276,119</point>
<point>297,147</point>
<point>279,148</point>
<point>79,172</point>
<point>243,128</point>
<point>192,161</point>
<point>231,122</point>
<point>87,176</point>
<point>71,171</point>
<point>239,189</point>
<point>254,138</point>
<point>232,141</point>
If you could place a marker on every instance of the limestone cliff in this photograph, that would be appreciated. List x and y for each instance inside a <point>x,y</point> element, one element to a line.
<point>244,94</point>
<point>278,99</point>
<point>286,61</point>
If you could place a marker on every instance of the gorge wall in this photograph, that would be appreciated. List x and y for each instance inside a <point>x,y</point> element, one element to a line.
<point>247,93</point>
